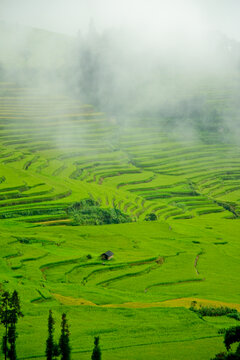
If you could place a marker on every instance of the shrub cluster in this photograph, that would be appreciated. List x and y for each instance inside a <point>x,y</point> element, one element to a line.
<point>215,311</point>
<point>89,212</point>
<point>231,336</point>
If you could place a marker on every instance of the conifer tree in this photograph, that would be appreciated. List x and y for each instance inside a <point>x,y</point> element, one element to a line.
<point>51,347</point>
<point>9,313</point>
<point>96,354</point>
<point>4,317</point>
<point>12,335</point>
<point>64,346</point>
<point>15,313</point>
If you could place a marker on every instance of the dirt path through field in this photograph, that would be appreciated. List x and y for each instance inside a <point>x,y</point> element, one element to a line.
<point>182,302</point>
<point>53,221</point>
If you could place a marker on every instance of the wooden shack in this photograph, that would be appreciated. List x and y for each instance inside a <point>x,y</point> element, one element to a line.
<point>108,255</point>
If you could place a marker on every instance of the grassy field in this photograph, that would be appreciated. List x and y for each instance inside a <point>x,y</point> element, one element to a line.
<point>54,152</point>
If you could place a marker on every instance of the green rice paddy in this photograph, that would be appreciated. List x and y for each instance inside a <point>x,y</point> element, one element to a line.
<point>55,151</point>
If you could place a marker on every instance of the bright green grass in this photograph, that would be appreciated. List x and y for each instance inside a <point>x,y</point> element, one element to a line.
<point>54,152</point>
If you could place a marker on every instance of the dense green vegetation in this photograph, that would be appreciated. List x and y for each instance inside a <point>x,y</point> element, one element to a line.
<point>88,212</point>
<point>231,337</point>
<point>214,311</point>
<point>56,152</point>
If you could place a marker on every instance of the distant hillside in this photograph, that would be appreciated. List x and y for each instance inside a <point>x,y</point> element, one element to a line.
<point>180,84</point>
<point>27,53</point>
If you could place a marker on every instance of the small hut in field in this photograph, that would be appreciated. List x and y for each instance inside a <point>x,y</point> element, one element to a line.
<point>108,255</point>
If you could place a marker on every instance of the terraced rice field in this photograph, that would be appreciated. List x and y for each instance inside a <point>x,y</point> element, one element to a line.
<point>54,152</point>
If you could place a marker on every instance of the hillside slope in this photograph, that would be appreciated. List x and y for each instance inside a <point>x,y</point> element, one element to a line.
<point>56,151</point>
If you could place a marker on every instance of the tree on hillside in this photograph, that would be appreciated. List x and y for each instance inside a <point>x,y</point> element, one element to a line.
<point>151,217</point>
<point>15,312</point>
<point>96,354</point>
<point>52,349</point>
<point>64,346</point>
<point>4,316</point>
<point>10,311</point>
<point>232,336</point>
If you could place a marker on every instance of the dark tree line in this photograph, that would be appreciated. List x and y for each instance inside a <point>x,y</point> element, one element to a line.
<point>96,355</point>
<point>52,349</point>
<point>62,348</point>
<point>231,336</point>
<point>10,312</point>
